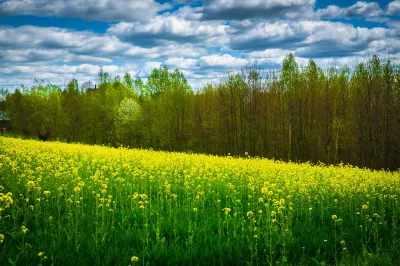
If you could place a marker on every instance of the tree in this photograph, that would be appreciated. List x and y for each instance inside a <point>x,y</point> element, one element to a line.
<point>3,117</point>
<point>128,82</point>
<point>103,78</point>
<point>129,122</point>
<point>71,106</point>
<point>302,114</point>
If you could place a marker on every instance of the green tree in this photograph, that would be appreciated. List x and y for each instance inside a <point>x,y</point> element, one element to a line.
<point>129,122</point>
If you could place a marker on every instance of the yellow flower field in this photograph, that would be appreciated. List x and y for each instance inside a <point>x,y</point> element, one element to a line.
<point>91,205</point>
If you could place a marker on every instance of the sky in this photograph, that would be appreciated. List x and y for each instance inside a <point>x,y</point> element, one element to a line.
<point>57,40</point>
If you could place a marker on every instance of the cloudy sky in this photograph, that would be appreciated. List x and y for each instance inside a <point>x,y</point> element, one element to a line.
<point>57,40</point>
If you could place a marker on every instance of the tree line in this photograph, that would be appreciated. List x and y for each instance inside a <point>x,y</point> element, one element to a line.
<point>295,114</point>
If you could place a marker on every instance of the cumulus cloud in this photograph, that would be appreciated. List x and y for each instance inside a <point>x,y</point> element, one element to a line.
<point>71,70</point>
<point>82,42</point>
<point>268,53</point>
<point>16,75</point>
<point>180,62</point>
<point>239,9</point>
<point>40,43</point>
<point>165,51</point>
<point>100,10</point>
<point>147,68</point>
<point>48,55</point>
<point>205,40</point>
<point>393,8</point>
<point>316,38</point>
<point>226,61</point>
<point>358,10</point>
<point>162,29</point>
<point>267,35</point>
<point>394,24</point>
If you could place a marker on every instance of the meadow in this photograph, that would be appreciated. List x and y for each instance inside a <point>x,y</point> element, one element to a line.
<point>73,204</point>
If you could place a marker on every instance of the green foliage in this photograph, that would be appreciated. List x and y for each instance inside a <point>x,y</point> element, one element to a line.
<point>296,114</point>
<point>129,122</point>
<point>103,78</point>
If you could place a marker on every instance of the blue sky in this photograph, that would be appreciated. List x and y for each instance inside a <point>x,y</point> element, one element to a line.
<point>57,40</point>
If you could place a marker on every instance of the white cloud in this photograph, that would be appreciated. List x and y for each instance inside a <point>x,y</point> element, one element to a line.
<point>147,68</point>
<point>16,75</point>
<point>180,62</point>
<point>165,51</point>
<point>359,9</point>
<point>47,55</point>
<point>73,46</point>
<point>394,24</point>
<point>393,8</point>
<point>268,53</point>
<point>163,29</point>
<point>189,13</point>
<point>204,42</point>
<point>226,61</point>
<point>101,10</point>
<point>269,9</point>
<point>315,38</point>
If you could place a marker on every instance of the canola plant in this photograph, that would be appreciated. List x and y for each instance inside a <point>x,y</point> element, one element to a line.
<point>73,204</point>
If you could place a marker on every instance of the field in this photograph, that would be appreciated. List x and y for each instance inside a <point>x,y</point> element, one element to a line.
<point>71,204</point>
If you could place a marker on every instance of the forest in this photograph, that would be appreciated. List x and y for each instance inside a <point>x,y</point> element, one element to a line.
<point>299,114</point>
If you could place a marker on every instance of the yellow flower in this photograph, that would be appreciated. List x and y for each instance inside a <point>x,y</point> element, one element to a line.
<point>343,243</point>
<point>226,210</point>
<point>46,193</point>
<point>77,189</point>
<point>365,207</point>
<point>334,217</point>
<point>1,238</point>
<point>250,213</point>
<point>195,209</point>
<point>42,256</point>
<point>134,259</point>
<point>24,229</point>
<point>143,196</point>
